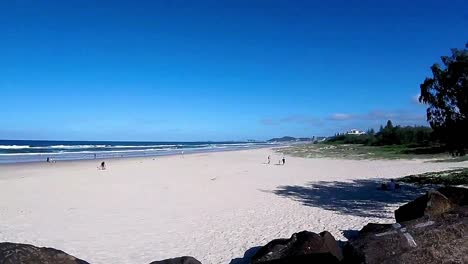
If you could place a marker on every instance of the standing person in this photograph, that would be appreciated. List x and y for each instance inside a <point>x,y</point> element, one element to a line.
<point>284,160</point>
<point>391,185</point>
<point>103,165</point>
<point>48,160</point>
<point>94,155</point>
<point>269,159</point>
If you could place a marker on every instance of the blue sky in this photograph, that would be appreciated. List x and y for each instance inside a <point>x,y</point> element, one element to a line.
<point>216,70</point>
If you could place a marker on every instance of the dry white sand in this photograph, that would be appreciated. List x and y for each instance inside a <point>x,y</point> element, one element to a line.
<point>211,206</point>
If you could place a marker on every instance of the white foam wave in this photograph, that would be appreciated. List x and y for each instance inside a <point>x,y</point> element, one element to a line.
<point>85,152</point>
<point>74,146</point>
<point>84,146</point>
<point>143,146</point>
<point>14,147</point>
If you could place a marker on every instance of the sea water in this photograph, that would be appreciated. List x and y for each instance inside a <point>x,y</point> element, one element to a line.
<point>13,151</point>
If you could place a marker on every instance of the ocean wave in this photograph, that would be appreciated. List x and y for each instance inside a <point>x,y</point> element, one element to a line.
<point>14,147</point>
<point>60,153</point>
<point>75,146</point>
<point>144,146</point>
<point>87,146</point>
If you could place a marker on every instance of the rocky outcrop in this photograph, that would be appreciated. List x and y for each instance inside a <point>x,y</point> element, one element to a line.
<point>438,239</point>
<point>457,195</point>
<point>302,247</point>
<point>432,204</point>
<point>13,253</point>
<point>180,260</point>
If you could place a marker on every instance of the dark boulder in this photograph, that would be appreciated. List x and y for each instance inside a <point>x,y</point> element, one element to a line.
<point>179,260</point>
<point>372,228</point>
<point>13,253</point>
<point>440,239</point>
<point>457,195</point>
<point>302,247</point>
<point>431,204</point>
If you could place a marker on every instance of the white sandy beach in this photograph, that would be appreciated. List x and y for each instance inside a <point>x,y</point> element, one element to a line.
<point>212,206</point>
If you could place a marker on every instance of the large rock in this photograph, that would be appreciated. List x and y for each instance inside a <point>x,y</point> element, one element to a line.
<point>440,239</point>
<point>372,228</point>
<point>433,203</point>
<point>457,195</point>
<point>12,253</point>
<point>302,247</point>
<point>180,260</point>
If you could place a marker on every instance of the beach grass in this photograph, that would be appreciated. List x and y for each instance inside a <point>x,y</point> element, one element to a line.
<point>448,177</point>
<point>357,152</point>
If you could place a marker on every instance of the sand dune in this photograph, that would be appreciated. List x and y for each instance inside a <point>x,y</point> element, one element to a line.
<point>211,206</point>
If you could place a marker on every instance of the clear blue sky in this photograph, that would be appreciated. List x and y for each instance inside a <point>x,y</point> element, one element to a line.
<point>216,70</point>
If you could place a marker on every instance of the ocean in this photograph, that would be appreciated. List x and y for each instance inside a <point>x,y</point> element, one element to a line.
<point>13,151</point>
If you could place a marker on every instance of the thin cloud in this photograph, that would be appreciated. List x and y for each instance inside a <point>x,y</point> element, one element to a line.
<point>377,115</point>
<point>350,120</point>
<point>269,122</point>
<point>341,117</point>
<point>292,119</point>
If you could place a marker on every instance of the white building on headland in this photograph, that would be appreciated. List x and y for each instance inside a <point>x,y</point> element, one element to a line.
<point>355,132</point>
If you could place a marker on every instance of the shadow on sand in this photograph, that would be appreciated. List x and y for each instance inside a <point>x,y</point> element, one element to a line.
<point>356,197</point>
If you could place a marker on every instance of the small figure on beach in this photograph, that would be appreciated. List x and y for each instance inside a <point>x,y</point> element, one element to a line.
<point>103,165</point>
<point>284,160</point>
<point>269,159</point>
<point>94,155</point>
<point>48,160</point>
<point>389,186</point>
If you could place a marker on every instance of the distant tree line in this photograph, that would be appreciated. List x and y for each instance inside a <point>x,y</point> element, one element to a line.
<point>390,135</point>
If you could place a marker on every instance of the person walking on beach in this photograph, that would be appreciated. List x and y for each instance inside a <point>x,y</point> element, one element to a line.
<point>103,165</point>
<point>284,160</point>
<point>269,159</point>
<point>48,160</point>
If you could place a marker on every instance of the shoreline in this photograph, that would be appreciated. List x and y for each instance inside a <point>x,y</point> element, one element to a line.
<point>152,155</point>
<point>119,159</point>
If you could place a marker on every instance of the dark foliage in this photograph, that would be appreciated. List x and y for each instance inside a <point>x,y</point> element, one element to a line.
<point>446,94</point>
<point>416,136</point>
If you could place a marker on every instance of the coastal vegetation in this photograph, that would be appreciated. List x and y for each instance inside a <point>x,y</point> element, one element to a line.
<point>448,177</point>
<point>360,151</point>
<point>390,142</point>
<point>389,135</point>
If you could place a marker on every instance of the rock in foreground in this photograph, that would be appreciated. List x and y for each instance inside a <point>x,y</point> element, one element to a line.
<point>302,247</point>
<point>13,253</point>
<point>180,260</point>
<point>439,239</point>
<point>433,203</point>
